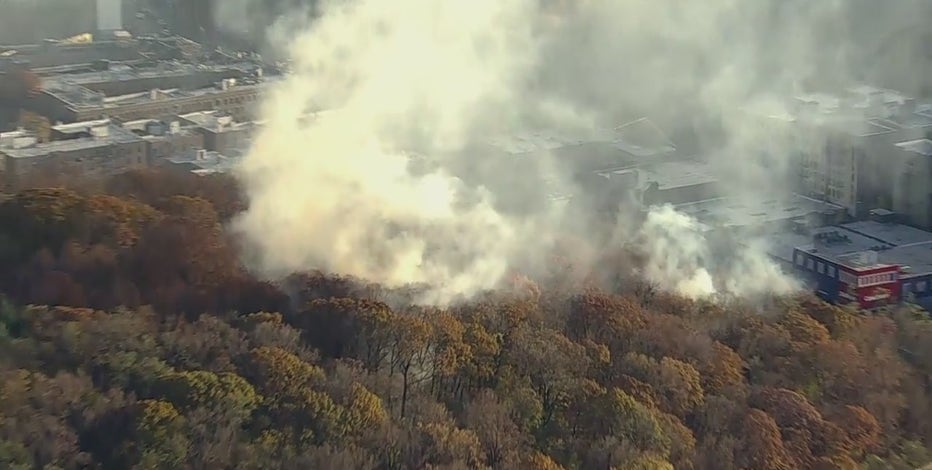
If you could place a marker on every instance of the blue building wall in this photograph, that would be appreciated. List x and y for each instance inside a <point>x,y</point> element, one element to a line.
<point>919,286</point>
<point>823,275</point>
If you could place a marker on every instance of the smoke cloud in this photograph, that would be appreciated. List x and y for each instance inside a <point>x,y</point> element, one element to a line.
<point>394,182</point>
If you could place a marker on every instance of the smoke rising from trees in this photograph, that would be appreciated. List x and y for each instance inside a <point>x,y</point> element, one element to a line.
<point>336,190</point>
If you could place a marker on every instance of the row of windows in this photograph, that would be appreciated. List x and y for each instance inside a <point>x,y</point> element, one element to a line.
<point>829,270</point>
<point>819,267</point>
<point>920,287</point>
<point>872,279</point>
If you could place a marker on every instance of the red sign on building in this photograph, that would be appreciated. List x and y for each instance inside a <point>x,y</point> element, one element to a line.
<point>870,287</point>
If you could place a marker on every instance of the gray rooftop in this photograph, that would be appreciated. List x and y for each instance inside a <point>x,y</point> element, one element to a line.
<point>922,147</point>
<point>894,234</point>
<point>79,97</point>
<point>891,243</point>
<point>677,174</point>
<point>123,72</point>
<point>732,212</point>
<point>642,138</point>
<point>205,162</point>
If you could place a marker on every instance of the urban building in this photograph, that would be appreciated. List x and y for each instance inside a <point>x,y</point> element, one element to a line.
<point>51,53</point>
<point>750,216</point>
<point>121,78</point>
<point>912,185</point>
<point>201,162</point>
<point>68,102</point>
<point>91,149</point>
<point>676,182</point>
<point>871,263</point>
<point>166,139</point>
<point>222,133</point>
<point>845,146</point>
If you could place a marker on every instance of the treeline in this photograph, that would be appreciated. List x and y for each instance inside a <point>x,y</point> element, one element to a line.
<point>131,337</point>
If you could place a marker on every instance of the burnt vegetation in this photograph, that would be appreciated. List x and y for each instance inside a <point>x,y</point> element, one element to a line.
<point>132,337</point>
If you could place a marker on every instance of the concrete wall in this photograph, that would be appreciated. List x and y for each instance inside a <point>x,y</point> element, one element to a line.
<point>84,162</point>
<point>173,145</point>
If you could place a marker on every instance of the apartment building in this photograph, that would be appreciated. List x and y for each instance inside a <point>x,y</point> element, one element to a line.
<point>912,185</point>
<point>221,131</point>
<point>67,102</point>
<point>91,150</point>
<point>845,145</point>
<point>166,139</point>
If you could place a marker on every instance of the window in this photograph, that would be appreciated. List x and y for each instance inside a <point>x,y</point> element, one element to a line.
<point>809,264</point>
<point>831,271</point>
<point>821,267</point>
<point>921,286</point>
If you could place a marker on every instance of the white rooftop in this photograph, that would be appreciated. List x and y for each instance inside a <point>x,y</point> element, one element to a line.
<point>82,126</point>
<point>113,135</point>
<point>922,147</point>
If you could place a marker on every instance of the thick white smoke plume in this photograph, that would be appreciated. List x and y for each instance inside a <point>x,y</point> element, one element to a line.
<point>679,257</point>
<point>336,190</point>
<point>375,187</point>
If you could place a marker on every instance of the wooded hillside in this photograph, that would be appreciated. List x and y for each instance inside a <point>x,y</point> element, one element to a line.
<point>132,337</point>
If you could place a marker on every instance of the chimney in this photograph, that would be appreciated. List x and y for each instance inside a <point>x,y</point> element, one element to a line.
<point>154,94</point>
<point>200,155</point>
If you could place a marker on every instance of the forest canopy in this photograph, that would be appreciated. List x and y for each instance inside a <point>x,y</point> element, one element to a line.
<point>133,337</point>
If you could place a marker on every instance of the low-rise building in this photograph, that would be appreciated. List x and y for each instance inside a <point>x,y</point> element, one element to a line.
<point>222,132</point>
<point>201,162</point>
<point>166,139</point>
<point>101,149</point>
<point>870,263</point>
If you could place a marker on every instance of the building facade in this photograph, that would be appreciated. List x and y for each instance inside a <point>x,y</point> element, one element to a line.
<point>870,264</point>
<point>107,149</point>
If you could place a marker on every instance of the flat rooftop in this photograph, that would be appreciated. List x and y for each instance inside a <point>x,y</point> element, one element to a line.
<point>922,147</point>
<point>732,212</point>
<point>211,162</point>
<point>118,72</point>
<point>533,142</point>
<point>676,174</point>
<point>640,138</point>
<point>216,121</point>
<point>893,234</point>
<point>78,97</point>
<point>78,127</point>
<point>116,135</point>
<point>894,244</point>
